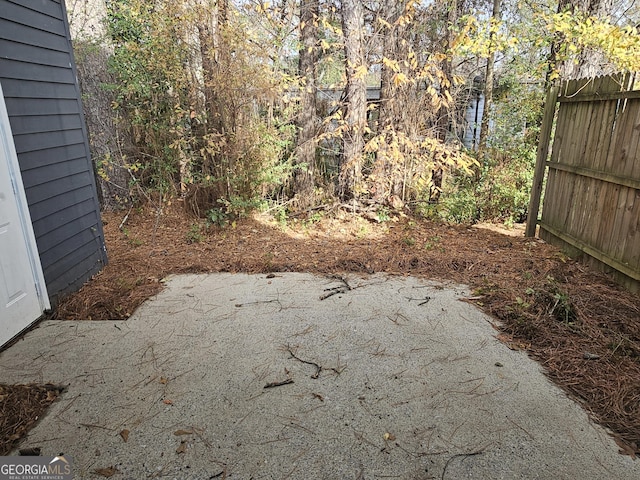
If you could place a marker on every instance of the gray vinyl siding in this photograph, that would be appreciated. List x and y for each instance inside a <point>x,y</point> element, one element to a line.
<point>38,78</point>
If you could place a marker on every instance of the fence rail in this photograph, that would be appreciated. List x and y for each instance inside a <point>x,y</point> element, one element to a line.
<point>592,196</point>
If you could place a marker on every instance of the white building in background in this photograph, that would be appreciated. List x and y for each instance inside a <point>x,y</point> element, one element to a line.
<point>473,115</point>
<point>86,18</point>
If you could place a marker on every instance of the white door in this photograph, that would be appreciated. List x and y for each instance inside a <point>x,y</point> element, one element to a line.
<point>23,295</point>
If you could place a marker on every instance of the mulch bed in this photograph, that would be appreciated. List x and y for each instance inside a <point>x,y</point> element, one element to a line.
<point>582,327</point>
<point>20,408</point>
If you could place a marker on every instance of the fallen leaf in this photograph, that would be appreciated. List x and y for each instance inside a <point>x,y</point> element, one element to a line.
<point>389,436</point>
<point>512,344</point>
<point>106,472</point>
<point>163,380</point>
<point>125,435</point>
<point>182,448</point>
<point>177,433</point>
<point>167,401</point>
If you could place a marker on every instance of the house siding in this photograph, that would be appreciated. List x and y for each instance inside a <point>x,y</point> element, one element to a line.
<point>38,78</point>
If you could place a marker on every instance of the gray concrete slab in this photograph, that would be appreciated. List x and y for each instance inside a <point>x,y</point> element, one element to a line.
<point>403,380</point>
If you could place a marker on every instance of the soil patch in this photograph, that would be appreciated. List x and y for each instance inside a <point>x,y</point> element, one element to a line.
<point>579,324</point>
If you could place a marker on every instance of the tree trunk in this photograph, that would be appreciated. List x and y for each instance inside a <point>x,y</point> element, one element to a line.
<point>214,55</point>
<point>589,62</point>
<point>392,10</point>
<point>391,99</point>
<point>304,177</point>
<point>443,122</point>
<point>110,143</point>
<point>356,99</point>
<point>488,88</point>
<point>209,39</point>
<point>444,114</point>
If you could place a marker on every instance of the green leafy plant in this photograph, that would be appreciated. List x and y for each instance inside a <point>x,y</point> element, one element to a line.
<point>217,217</point>
<point>194,235</point>
<point>383,214</point>
<point>409,241</point>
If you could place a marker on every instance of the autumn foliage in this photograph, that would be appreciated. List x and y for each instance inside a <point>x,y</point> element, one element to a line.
<point>293,104</point>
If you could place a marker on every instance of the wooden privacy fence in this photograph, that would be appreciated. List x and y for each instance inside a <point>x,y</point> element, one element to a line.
<point>592,196</point>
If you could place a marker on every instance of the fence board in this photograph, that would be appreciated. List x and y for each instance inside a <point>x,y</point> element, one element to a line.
<point>541,158</point>
<point>592,197</point>
<point>596,125</point>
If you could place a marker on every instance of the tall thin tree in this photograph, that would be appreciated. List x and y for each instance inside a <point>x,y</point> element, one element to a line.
<point>589,62</point>
<point>446,110</point>
<point>304,177</point>
<point>392,96</point>
<point>356,99</point>
<point>488,83</point>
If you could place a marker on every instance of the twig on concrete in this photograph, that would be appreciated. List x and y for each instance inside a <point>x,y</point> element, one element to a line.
<point>199,433</point>
<point>318,367</point>
<point>398,316</point>
<point>339,367</point>
<point>466,455</point>
<point>344,288</point>
<point>332,292</point>
<point>307,330</point>
<point>279,384</point>
<point>276,300</point>
<point>279,439</point>
<point>337,370</point>
<point>409,452</point>
<point>360,436</point>
<point>521,428</point>
<point>288,475</point>
<point>423,301</point>
<point>93,425</point>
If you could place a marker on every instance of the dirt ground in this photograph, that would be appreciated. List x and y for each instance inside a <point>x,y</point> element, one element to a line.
<point>582,327</point>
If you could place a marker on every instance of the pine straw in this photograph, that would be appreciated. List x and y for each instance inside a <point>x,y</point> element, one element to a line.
<point>20,408</point>
<point>562,312</point>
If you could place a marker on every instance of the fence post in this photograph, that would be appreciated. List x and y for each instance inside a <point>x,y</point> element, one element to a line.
<point>541,160</point>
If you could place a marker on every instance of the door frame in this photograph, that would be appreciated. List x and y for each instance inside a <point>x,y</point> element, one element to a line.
<point>23,207</point>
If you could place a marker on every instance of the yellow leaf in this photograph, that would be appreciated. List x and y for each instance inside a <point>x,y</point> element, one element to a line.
<point>391,64</point>
<point>360,72</point>
<point>399,79</point>
<point>384,23</point>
